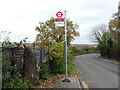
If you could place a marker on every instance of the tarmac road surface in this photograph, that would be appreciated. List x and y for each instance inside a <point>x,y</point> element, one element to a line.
<point>96,72</point>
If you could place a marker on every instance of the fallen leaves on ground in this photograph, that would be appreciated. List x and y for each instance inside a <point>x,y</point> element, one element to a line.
<point>49,82</point>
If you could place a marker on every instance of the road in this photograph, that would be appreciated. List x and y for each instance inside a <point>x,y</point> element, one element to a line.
<point>96,72</point>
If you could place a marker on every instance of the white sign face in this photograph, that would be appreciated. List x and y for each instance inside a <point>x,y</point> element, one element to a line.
<point>59,24</point>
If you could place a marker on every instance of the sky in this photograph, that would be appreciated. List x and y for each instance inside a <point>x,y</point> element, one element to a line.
<point>20,17</point>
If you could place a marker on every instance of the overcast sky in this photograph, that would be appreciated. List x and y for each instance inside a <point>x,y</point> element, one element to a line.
<point>22,16</point>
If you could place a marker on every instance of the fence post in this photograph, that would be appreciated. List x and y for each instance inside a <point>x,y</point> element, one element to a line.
<point>41,55</point>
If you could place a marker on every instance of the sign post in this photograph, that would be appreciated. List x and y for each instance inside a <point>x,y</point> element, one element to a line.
<point>118,16</point>
<point>118,42</point>
<point>62,22</point>
<point>65,51</point>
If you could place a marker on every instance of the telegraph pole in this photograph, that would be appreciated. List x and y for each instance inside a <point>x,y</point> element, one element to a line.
<point>65,51</point>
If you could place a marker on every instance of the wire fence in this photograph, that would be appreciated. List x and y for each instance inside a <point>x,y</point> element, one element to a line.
<point>12,59</point>
<point>24,60</point>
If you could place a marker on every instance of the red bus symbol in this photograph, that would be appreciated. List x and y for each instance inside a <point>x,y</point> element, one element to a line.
<point>59,14</point>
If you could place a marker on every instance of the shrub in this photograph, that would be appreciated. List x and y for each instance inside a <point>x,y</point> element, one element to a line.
<point>56,58</point>
<point>44,72</point>
<point>57,62</point>
<point>16,81</point>
<point>71,67</point>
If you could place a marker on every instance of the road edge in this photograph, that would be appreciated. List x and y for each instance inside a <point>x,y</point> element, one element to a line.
<point>98,57</point>
<point>82,84</point>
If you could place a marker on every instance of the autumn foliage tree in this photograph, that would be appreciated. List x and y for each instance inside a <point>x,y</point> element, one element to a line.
<point>48,33</point>
<point>113,28</point>
<point>51,39</point>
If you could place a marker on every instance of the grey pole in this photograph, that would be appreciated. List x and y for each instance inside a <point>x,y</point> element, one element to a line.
<point>118,16</point>
<point>1,66</point>
<point>65,51</point>
<point>118,42</point>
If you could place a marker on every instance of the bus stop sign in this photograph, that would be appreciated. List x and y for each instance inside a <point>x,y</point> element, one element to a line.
<point>59,14</point>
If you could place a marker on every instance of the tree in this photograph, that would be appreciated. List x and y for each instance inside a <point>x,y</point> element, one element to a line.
<point>113,24</point>
<point>99,33</point>
<point>4,37</point>
<point>113,28</point>
<point>114,34</point>
<point>110,42</point>
<point>2,34</point>
<point>48,33</point>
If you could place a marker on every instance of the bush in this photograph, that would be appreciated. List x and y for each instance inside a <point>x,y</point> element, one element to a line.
<point>44,72</point>
<point>103,49</point>
<point>71,67</point>
<point>16,81</point>
<point>56,58</point>
<point>57,62</point>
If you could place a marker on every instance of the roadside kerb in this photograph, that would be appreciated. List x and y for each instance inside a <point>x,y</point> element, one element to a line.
<point>78,82</point>
<point>84,85</point>
<point>106,60</point>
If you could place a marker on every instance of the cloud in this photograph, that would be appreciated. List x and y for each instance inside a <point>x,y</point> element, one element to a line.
<point>22,16</point>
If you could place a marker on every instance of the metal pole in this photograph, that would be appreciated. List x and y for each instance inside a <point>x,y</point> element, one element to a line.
<point>66,46</point>
<point>66,79</point>
<point>118,16</point>
<point>118,42</point>
<point>1,53</point>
